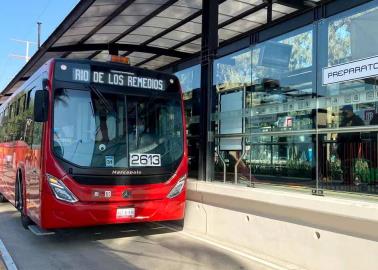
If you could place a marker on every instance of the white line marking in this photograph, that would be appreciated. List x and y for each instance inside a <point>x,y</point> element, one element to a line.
<point>8,261</point>
<point>242,254</point>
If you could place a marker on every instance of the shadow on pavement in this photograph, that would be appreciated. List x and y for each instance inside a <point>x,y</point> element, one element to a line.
<point>110,232</point>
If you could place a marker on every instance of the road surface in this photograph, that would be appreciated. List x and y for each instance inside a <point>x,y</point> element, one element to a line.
<point>142,246</point>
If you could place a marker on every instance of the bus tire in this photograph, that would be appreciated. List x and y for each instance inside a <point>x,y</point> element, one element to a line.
<point>20,202</point>
<point>2,198</point>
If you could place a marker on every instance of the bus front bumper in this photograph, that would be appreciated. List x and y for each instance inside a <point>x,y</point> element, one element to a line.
<point>57,214</point>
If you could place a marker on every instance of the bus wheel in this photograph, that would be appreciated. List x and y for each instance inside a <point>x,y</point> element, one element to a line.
<point>25,220</point>
<point>2,198</point>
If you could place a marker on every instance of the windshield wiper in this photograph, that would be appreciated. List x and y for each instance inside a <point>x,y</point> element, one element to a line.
<point>103,100</point>
<point>76,146</point>
<point>108,107</point>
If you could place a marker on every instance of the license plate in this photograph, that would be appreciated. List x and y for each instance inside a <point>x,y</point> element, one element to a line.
<point>125,212</point>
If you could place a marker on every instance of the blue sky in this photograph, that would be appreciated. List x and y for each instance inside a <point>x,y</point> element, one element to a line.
<point>18,20</point>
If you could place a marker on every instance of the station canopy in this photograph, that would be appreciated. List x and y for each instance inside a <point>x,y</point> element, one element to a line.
<point>152,33</point>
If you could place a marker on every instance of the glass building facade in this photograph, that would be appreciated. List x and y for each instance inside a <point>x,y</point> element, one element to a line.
<point>299,109</point>
<point>190,83</point>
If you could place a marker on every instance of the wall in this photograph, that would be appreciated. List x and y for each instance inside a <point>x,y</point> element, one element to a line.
<point>309,231</point>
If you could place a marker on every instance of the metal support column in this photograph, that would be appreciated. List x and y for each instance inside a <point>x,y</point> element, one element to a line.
<point>269,12</point>
<point>208,51</point>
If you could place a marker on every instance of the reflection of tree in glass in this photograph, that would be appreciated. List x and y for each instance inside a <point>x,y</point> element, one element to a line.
<point>339,42</point>
<point>340,39</point>
<point>234,71</point>
<point>300,58</point>
<point>234,74</point>
<point>186,79</point>
<point>188,95</point>
<point>301,54</point>
<point>189,78</point>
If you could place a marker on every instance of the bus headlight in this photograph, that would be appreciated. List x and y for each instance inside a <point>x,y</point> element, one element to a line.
<point>177,189</point>
<point>60,191</point>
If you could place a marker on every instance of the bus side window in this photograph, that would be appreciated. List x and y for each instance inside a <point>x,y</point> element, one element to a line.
<point>19,120</point>
<point>28,99</point>
<point>22,104</point>
<point>3,123</point>
<point>18,106</point>
<point>15,123</point>
<point>5,115</point>
<point>37,127</point>
<point>13,109</point>
<point>29,114</point>
<point>10,112</point>
<point>4,126</point>
<point>9,123</point>
<point>1,126</point>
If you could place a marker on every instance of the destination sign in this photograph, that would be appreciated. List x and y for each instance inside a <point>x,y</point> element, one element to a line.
<point>117,78</point>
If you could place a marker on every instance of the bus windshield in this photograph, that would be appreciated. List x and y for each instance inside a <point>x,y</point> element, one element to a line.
<point>96,129</point>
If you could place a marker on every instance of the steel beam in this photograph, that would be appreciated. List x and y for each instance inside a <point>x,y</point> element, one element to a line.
<point>175,26</point>
<point>243,15</point>
<point>298,4</point>
<point>269,12</point>
<point>170,29</point>
<point>209,46</point>
<point>119,47</point>
<point>140,23</point>
<point>108,19</point>
<point>229,42</point>
<point>225,23</point>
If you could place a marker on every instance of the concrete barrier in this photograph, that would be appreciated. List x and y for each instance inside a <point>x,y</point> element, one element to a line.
<point>315,233</point>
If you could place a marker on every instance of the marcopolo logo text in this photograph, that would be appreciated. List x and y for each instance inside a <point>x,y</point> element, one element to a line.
<point>126,172</point>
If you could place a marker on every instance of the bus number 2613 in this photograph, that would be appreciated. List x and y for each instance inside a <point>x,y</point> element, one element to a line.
<point>145,160</point>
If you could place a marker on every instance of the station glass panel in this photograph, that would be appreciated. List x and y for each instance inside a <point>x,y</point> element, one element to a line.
<point>266,107</point>
<point>300,109</point>
<point>190,83</point>
<point>231,97</point>
<point>348,100</point>
<point>283,110</point>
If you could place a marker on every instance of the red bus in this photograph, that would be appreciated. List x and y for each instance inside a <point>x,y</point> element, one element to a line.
<point>85,143</point>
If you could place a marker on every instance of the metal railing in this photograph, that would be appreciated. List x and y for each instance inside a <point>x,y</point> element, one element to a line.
<point>350,166</point>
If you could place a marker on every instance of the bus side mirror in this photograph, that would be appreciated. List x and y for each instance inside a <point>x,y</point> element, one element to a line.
<point>41,105</point>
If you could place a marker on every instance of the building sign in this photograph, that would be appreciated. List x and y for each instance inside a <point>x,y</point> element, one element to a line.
<point>355,70</point>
